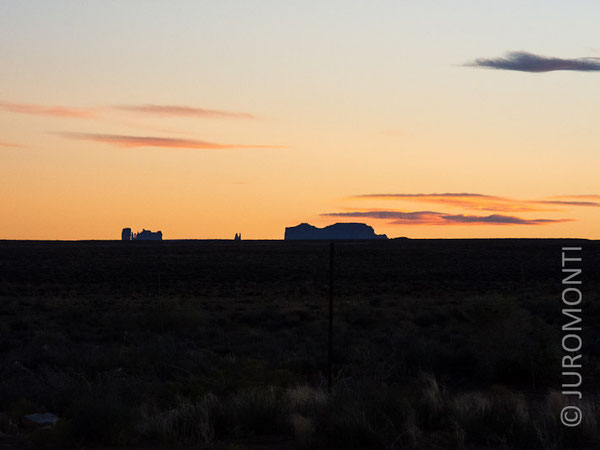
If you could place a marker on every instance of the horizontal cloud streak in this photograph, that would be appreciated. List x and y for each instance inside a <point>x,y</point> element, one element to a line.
<point>569,203</point>
<point>10,144</point>
<point>399,217</point>
<point>497,219</point>
<point>184,111</point>
<point>152,141</point>
<point>466,200</point>
<point>483,202</point>
<point>586,196</point>
<point>438,218</point>
<point>147,109</point>
<point>445,194</point>
<point>528,62</point>
<point>43,110</point>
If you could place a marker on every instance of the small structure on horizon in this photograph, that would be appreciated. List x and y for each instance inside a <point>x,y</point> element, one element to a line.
<point>336,231</point>
<point>144,235</point>
<point>238,237</point>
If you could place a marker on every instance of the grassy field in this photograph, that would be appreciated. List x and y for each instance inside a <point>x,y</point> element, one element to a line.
<point>438,344</point>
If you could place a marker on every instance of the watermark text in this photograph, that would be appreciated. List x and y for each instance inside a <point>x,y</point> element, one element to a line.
<point>571,415</point>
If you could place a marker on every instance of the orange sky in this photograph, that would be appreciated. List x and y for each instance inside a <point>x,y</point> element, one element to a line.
<point>206,121</point>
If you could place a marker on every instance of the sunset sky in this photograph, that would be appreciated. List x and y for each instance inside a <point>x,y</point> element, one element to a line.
<point>204,119</point>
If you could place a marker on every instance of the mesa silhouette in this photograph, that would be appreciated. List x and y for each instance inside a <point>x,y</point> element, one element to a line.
<point>144,235</point>
<point>337,231</point>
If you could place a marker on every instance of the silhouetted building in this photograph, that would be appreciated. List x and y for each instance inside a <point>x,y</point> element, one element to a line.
<point>126,234</point>
<point>144,235</point>
<point>238,237</point>
<point>332,232</point>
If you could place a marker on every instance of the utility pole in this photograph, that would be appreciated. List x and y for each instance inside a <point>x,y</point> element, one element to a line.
<point>330,334</point>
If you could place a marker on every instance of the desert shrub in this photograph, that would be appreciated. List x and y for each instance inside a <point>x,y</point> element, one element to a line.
<point>186,422</point>
<point>552,434</point>
<point>258,411</point>
<point>361,415</point>
<point>349,427</point>
<point>304,430</point>
<point>430,405</point>
<point>495,416</point>
<point>503,342</point>
<point>306,400</point>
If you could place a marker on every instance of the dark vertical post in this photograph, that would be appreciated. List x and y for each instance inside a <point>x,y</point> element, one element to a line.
<point>160,252</point>
<point>330,334</point>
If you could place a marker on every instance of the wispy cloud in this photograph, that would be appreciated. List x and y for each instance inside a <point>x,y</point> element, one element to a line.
<point>466,200</point>
<point>126,141</point>
<point>439,218</point>
<point>10,144</point>
<point>147,109</point>
<point>569,203</point>
<point>45,110</point>
<point>434,196</point>
<point>183,111</point>
<point>444,195</point>
<point>528,62</point>
<point>481,202</point>
<point>497,219</point>
<point>397,217</point>
<point>578,196</point>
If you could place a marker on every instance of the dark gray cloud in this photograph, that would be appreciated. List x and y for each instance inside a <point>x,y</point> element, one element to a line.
<point>499,219</point>
<point>528,62</point>
<point>413,215</point>
<point>569,203</point>
<point>438,218</point>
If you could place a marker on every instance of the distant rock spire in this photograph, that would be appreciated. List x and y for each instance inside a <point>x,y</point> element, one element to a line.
<point>126,234</point>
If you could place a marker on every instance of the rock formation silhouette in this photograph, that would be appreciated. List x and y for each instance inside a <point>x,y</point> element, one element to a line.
<point>144,235</point>
<point>332,232</point>
<point>126,234</point>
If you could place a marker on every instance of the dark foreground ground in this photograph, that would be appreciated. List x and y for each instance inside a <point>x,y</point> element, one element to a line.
<point>438,344</point>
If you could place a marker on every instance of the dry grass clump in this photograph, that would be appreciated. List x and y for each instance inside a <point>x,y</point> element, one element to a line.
<point>304,430</point>
<point>186,422</point>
